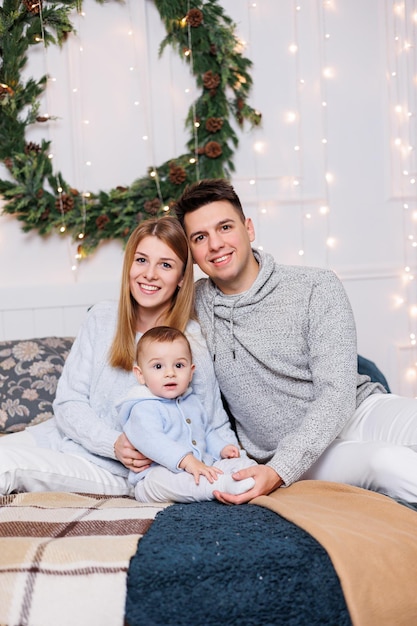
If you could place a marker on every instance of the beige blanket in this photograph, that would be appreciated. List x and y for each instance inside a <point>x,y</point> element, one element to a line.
<point>371,540</point>
<point>64,557</point>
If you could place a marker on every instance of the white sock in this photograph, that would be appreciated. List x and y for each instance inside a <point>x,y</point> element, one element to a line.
<point>226,484</point>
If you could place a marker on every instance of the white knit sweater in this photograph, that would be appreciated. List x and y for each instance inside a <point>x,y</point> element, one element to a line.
<point>86,421</point>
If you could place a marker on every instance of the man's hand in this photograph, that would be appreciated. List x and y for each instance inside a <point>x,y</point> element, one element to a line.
<point>195,467</point>
<point>129,456</point>
<point>266,480</point>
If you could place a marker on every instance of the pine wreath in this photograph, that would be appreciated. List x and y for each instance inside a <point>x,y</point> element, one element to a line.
<point>40,198</point>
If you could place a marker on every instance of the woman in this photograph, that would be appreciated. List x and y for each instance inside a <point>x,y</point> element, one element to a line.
<point>82,448</point>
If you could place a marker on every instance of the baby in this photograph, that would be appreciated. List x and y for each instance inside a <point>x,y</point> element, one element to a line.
<point>167,423</point>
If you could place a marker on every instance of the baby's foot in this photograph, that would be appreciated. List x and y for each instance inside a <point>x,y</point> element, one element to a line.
<point>226,484</point>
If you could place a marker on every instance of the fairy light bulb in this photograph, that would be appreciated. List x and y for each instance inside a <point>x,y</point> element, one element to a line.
<point>411,374</point>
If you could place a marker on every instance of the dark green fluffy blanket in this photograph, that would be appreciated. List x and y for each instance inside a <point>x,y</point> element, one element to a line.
<point>207,564</point>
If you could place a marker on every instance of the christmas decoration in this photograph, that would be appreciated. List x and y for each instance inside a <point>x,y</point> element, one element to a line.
<point>40,198</point>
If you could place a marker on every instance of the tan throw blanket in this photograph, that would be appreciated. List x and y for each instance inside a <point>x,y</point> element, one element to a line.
<point>64,557</point>
<point>371,540</point>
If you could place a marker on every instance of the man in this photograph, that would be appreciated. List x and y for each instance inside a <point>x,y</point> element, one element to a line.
<point>283,341</point>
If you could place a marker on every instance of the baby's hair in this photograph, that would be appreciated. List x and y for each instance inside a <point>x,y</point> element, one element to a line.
<point>161,334</point>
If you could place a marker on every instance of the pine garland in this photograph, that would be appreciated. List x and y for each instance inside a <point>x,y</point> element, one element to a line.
<point>40,198</point>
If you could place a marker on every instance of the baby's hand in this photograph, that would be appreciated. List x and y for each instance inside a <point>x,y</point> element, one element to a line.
<point>230,452</point>
<point>195,467</point>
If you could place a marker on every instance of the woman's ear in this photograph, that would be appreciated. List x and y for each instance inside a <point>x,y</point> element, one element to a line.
<point>180,283</point>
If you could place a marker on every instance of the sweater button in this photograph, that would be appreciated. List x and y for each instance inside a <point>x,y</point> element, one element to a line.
<point>194,442</point>
<point>188,420</point>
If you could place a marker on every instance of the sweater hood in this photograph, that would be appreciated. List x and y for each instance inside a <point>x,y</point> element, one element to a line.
<point>140,393</point>
<point>229,307</point>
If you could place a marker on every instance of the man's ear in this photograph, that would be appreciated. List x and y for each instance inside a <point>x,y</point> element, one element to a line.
<point>138,373</point>
<point>250,229</point>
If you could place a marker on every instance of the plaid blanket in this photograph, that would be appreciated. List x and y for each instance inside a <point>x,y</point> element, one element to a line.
<point>64,557</point>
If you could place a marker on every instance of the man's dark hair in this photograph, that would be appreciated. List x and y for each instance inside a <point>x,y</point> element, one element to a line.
<point>204,192</point>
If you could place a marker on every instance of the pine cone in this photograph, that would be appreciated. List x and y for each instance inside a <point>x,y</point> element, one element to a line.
<point>64,203</point>
<point>213,149</point>
<point>102,221</point>
<point>33,6</point>
<point>214,124</point>
<point>194,17</point>
<point>45,215</point>
<point>213,49</point>
<point>177,174</point>
<point>32,147</point>
<point>210,80</point>
<point>152,206</point>
<point>42,118</point>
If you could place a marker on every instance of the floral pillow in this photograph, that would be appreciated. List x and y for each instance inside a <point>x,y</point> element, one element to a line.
<point>29,373</point>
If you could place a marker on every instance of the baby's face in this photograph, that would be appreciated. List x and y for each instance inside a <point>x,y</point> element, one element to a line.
<point>166,368</point>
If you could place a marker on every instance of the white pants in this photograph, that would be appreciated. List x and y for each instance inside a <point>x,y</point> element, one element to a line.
<point>376,450</point>
<point>24,466</point>
<point>162,485</point>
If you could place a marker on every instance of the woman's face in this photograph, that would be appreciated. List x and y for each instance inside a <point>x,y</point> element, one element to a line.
<point>155,274</point>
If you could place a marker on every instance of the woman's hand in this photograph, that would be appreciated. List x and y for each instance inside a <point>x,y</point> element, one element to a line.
<point>129,456</point>
<point>266,480</point>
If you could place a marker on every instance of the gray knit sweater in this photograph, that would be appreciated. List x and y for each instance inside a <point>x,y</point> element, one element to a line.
<point>285,357</point>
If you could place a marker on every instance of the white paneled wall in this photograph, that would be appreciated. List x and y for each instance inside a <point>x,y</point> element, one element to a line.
<point>43,311</point>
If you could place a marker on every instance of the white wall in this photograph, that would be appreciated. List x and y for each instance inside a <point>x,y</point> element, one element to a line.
<point>367,220</point>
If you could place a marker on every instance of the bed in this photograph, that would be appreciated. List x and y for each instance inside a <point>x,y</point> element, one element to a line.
<point>315,553</point>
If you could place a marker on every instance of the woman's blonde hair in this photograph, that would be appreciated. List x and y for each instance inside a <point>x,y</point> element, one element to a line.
<point>181,310</point>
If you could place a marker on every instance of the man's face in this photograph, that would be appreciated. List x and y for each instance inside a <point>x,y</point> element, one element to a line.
<point>221,245</point>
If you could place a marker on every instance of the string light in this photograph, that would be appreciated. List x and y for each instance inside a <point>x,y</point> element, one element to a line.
<point>44,118</point>
<point>402,96</point>
<point>327,73</point>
